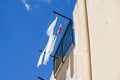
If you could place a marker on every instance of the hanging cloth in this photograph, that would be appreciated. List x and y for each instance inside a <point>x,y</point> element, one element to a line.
<point>50,30</point>
<point>50,45</point>
<point>49,48</point>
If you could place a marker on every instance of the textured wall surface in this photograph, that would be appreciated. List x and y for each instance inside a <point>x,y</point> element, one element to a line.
<point>104,26</point>
<point>82,70</point>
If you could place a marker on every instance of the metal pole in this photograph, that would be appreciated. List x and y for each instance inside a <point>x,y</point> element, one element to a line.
<point>40,78</point>
<point>62,15</point>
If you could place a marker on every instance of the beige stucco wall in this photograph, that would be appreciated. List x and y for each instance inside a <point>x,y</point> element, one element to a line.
<point>104,30</point>
<point>82,66</point>
<point>104,27</point>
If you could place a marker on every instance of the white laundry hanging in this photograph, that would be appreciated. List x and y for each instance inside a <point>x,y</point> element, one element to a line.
<point>50,45</point>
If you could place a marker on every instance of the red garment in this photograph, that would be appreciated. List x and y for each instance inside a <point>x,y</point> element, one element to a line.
<point>59,30</point>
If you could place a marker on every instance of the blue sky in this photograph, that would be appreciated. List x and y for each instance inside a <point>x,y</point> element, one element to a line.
<point>23,24</point>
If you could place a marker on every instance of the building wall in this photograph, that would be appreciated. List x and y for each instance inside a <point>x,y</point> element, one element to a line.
<point>101,19</point>
<point>104,27</point>
<point>82,62</point>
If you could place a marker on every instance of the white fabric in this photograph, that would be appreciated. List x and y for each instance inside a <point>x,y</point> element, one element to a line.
<point>51,27</point>
<point>50,45</point>
<point>49,48</point>
<point>40,59</point>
